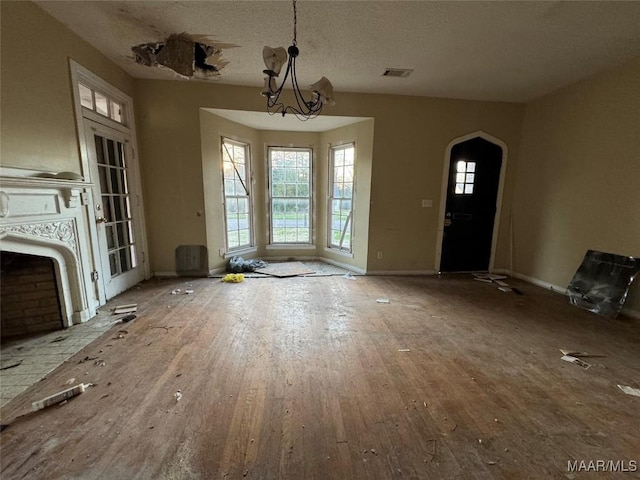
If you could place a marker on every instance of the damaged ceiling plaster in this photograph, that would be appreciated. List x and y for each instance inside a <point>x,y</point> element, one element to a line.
<point>187,55</point>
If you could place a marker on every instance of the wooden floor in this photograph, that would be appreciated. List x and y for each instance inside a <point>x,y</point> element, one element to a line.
<point>306,378</point>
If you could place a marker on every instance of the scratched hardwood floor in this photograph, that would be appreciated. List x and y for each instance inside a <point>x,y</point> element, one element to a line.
<point>305,378</point>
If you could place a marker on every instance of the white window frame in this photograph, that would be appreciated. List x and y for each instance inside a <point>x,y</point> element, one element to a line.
<point>311,219</point>
<point>339,247</point>
<point>245,183</point>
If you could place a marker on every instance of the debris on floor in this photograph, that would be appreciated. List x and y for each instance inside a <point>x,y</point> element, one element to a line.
<point>130,308</point>
<point>630,390</point>
<point>489,276</point>
<point>383,300</point>
<point>178,395</point>
<point>11,364</point>
<point>128,318</point>
<point>60,396</point>
<point>498,280</point>
<point>188,292</point>
<point>577,361</point>
<point>240,265</point>
<point>573,353</point>
<point>348,276</point>
<point>404,350</point>
<point>233,278</point>
<point>176,291</point>
<point>602,281</point>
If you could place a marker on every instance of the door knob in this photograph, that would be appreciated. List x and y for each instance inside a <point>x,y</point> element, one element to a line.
<point>101,220</point>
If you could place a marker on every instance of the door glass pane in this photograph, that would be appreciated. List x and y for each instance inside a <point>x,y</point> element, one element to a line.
<point>107,212</point>
<point>115,185</point>
<point>117,209</point>
<point>99,149</point>
<point>113,264</point>
<point>111,152</point>
<point>121,233</point>
<point>102,170</point>
<point>110,242</point>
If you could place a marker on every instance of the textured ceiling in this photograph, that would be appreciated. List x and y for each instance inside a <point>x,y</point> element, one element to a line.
<point>505,51</point>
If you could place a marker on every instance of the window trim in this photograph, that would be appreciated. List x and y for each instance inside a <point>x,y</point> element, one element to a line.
<point>330,246</point>
<point>312,213</point>
<point>245,248</point>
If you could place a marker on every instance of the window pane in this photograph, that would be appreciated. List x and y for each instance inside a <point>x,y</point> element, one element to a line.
<point>342,164</point>
<point>116,111</point>
<point>461,166</point>
<point>471,166</point>
<point>290,192</point>
<point>460,177</point>
<point>459,188</point>
<point>469,178</point>
<point>86,97</point>
<point>468,188</point>
<point>235,172</point>
<point>102,104</point>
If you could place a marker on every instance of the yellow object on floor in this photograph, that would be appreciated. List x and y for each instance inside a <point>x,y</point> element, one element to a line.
<point>233,278</point>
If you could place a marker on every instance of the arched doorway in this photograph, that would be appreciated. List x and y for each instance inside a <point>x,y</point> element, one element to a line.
<point>472,189</point>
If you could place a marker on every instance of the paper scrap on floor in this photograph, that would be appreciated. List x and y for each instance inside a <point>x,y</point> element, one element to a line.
<point>383,300</point>
<point>630,390</point>
<point>489,276</point>
<point>577,361</point>
<point>131,308</point>
<point>573,353</point>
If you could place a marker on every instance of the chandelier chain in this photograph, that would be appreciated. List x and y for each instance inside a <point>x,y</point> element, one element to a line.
<point>295,23</point>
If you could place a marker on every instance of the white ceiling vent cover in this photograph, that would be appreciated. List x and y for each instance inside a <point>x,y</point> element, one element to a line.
<point>397,72</point>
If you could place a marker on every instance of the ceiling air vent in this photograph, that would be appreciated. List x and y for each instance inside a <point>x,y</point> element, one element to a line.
<point>397,72</point>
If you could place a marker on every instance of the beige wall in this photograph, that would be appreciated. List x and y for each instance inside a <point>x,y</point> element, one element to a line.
<point>362,134</point>
<point>578,177</point>
<point>38,123</point>
<point>407,159</point>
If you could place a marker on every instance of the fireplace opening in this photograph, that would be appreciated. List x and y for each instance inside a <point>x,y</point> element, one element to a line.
<point>29,296</point>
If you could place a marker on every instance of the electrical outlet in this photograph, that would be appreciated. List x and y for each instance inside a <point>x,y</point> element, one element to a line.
<point>221,252</point>
<point>427,203</point>
<point>379,255</point>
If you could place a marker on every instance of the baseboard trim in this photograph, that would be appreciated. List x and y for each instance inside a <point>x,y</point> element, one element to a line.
<point>165,274</point>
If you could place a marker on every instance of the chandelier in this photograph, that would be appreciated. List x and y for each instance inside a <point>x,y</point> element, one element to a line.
<point>274,59</point>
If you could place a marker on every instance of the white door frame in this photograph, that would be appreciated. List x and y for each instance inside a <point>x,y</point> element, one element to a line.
<point>445,186</point>
<point>81,74</point>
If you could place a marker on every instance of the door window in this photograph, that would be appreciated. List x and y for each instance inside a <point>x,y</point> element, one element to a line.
<point>465,177</point>
<point>116,204</point>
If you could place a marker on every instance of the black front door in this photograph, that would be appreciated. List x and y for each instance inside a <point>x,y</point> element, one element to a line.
<point>474,177</point>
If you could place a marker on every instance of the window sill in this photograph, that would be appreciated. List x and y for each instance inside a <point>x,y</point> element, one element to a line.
<point>291,246</point>
<point>237,253</point>
<point>342,253</point>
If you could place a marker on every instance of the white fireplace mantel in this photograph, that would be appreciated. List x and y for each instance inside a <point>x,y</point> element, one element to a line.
<point>48,217</point>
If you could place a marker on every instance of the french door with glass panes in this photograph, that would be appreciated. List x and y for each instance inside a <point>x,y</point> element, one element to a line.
<point>110,157</point>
